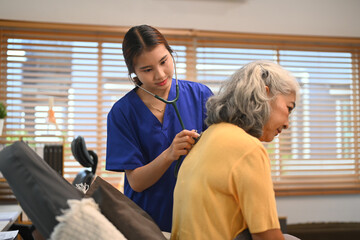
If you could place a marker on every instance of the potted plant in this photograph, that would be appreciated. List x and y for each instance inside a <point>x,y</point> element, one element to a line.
<point>3,114</point>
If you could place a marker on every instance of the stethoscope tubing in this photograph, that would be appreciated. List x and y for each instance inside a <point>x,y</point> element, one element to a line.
<point>173,103</point>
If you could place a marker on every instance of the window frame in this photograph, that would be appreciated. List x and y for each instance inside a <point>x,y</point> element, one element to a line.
<point>188,65</point>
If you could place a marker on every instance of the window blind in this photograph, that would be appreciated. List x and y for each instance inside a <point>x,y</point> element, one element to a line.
<point>81,71</point>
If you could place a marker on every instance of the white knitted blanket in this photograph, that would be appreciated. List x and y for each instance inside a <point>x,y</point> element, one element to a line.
<point>83,220</point>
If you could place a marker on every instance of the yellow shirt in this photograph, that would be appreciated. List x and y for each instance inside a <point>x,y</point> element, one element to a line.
<point>224,186</point>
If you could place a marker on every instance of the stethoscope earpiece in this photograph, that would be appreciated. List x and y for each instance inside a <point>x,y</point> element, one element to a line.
<point>133,77</point>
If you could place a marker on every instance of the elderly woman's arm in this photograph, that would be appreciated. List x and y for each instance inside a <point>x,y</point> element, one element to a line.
<point>273,234</point>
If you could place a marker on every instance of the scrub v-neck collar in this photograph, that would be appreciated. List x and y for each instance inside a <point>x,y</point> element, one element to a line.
<point>148,114</point>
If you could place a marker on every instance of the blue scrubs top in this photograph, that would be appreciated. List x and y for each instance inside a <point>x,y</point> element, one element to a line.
<point>135,137</point>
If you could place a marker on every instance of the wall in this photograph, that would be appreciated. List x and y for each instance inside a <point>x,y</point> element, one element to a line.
<point>324,208</point>
<point>306,17</point>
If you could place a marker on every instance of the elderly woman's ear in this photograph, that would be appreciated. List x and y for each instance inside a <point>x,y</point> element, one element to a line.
<point>267,90</point>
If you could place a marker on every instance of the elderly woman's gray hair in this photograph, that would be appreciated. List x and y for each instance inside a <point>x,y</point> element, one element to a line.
<point>243,99</point>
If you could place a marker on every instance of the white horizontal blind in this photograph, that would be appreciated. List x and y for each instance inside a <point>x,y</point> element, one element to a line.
<point>82,69</point>
<point>76,72</point>
<point>320,152</point>
<point>82,74</point>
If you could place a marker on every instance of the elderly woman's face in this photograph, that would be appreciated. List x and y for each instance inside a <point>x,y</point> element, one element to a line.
<point>281,108</point>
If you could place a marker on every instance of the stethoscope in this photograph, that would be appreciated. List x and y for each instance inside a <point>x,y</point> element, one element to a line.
<point>173,103</point>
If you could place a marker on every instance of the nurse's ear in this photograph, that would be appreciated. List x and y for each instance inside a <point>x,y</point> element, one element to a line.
<point>137,81</point>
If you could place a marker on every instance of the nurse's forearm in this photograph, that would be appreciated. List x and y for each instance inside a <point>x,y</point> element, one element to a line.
<point>144,177</point>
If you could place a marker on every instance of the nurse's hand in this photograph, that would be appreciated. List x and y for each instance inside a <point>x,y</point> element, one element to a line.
<point>145,176</point>
<point>182,144</point>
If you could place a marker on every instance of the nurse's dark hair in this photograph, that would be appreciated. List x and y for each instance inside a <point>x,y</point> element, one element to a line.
<point>243,99</point>
<point>140,38</point>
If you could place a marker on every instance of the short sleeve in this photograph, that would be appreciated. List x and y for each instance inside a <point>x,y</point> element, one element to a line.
<point>252,178</point>
<point>123,150</point>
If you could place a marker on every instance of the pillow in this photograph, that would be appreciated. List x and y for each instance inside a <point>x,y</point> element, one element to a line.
<point>132,221</point>
<point>83,220</point>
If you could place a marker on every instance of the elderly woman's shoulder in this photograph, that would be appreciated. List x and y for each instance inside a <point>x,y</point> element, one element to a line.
<point>233,133</point>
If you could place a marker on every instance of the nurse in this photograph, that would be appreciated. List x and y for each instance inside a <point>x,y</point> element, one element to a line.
<point>144,136</point>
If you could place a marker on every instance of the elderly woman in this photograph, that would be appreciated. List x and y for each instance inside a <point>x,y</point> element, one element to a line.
<point>224,185</point>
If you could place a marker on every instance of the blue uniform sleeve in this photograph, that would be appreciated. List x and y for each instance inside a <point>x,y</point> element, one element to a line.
<point>123,150</point>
